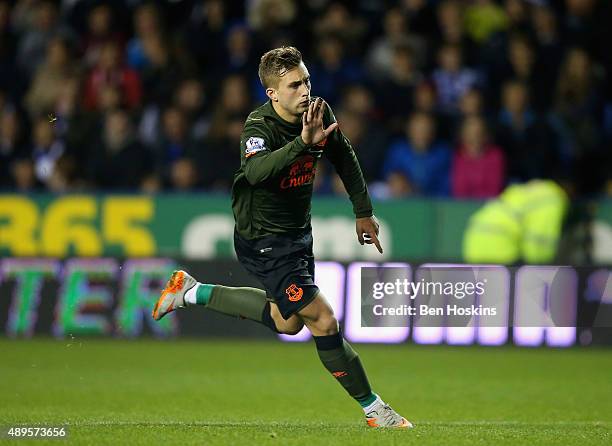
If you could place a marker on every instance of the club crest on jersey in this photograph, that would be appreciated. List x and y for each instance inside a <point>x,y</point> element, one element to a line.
<point>294,292</point>
<point>254,145</point>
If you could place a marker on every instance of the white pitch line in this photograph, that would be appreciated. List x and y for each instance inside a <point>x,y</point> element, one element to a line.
<point>281,424</point>
<point>518,423</point>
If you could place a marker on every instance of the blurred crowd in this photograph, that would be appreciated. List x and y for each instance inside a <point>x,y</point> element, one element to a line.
<point>444,98</point>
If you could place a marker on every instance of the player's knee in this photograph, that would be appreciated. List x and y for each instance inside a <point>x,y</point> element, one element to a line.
<point>289,327</point>
<point>292,330</point>
<point>320,319</point>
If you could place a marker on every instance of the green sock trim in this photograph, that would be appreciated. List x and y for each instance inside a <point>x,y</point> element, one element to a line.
<point>365,402</point>
<point>203,293</point>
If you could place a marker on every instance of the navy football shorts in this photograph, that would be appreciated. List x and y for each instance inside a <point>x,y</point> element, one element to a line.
<point>284,264</point>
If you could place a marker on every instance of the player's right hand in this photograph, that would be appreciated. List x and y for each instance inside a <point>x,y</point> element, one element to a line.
<point>367,231</point>
<point>312,123</point>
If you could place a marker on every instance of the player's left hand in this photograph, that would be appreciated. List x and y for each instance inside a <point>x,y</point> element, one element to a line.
<point>313,131</point>
<point>367,231</point>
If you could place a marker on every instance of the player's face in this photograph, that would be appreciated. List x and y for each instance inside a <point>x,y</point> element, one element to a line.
<point>293,90</point>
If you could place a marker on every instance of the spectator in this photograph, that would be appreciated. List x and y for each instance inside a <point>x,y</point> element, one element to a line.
<point>424,161</point>
<point>118,161</point>
<point>367,138</point>
<point>24,178</point>
<point>239,56</point>
<point>76,126</point>
<point>337,20</point>
<point>426,101</point>
<point>183,175</point>
<point>101,31</point>
<point>333,69</point>
<point>492,49</point>
<point>399,186</point>
<point>50,77</point>
<point>578,108</point>
<point>235,97</point>
<point>11,144</point>
<point>38,23</point>
<point>470,104</point>
<point>64,177</point>
<point>173,143</point>
<point>452,79</point>
<point>147,25</point>
<point>46,149</point>
<point>527,140</point>
<point>451,31</point>
<point>521,64</point>
<point>214,155</point>
<point>450,23</point>
<point>578,89</point>
<point>357,98</point>
<point>517,14</point>
<point>110,71</point>
<point>163,72</point>
<point>379,59</point>
<point>478,167</point>
<point>484,18</point>
<point>271,20</point>
<point>395,94</point>
<point>425,98</point>
<point>580,24</point>
<point>205,34</point>
<point>191,99</point>
<point>549,46</point>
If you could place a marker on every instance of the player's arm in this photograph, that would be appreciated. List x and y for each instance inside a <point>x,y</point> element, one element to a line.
<point>260,163</point>
<point>341,154</point>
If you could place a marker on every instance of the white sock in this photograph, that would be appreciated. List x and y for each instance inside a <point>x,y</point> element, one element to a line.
<point>376,402</point>
<point>190,295</point>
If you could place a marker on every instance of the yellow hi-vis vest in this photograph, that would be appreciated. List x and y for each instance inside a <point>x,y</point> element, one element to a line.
<point>522,225</point>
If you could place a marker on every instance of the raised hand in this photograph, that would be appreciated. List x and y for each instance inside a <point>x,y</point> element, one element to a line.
<point>312,123</point>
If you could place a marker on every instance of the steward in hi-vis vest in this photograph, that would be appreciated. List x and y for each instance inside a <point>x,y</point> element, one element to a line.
<point>522,225</point>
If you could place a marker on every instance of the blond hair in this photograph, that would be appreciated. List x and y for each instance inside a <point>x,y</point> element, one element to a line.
<point>275,63</point>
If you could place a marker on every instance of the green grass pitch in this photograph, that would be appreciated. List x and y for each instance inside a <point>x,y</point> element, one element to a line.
<point>147,392</point>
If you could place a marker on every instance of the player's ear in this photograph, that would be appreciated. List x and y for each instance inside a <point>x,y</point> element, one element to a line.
<point>271,93</point>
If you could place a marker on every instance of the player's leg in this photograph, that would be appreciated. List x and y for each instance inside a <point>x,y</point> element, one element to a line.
<point>246,302</point>
<point>249,303</point>
<point>344,364</point>
<point>291,326</point>
<point>335,353</point>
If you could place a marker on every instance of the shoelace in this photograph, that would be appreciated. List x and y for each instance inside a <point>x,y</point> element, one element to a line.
<point>389,415</point>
